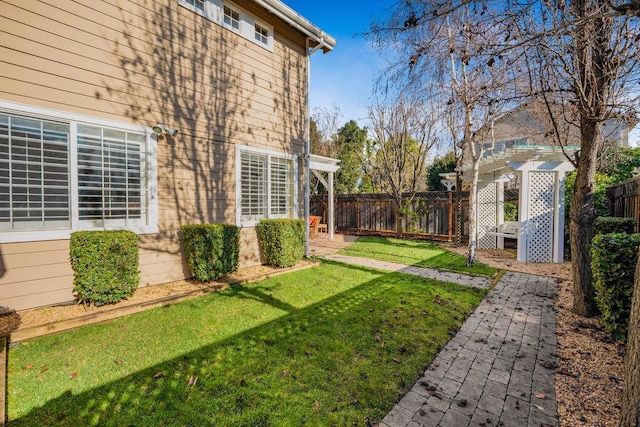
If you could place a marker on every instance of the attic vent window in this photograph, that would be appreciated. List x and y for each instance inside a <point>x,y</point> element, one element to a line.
<point>262,34</point>
<point>231,18</point>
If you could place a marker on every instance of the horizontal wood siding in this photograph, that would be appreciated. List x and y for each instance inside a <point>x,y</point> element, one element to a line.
<point>146,62</point>
<point>35,273</point>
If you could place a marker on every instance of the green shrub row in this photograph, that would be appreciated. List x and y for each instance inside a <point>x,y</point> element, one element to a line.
<point>105,265</point>
<point>281,241</point>
<point>609,224</point>
<point>212,250</point>
<point>613,263</point>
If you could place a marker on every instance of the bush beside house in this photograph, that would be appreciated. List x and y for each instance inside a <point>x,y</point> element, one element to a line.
<point>105,265</point>
<point>281,241</point>
<point>212,250</point>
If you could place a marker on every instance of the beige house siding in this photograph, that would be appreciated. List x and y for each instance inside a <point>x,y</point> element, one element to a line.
<point>145,62</point>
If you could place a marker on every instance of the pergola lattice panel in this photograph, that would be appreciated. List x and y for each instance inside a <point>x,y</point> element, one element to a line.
<point>541,211</point>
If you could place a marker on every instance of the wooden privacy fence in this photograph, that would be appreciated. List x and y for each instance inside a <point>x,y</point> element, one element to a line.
<point>432,213</point>
<point>624,200</point>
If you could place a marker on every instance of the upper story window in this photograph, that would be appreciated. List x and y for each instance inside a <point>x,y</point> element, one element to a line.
<point>231,18</point>
<point>61,173</point>
<point>261,34</point>
<point>196,4</point>
<point>228,15</point>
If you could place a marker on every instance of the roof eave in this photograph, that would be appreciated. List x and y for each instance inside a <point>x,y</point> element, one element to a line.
<point>299,22</point>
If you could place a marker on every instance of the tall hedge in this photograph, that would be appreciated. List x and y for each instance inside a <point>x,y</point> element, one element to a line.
<point>281,241</point>
<point>610,224</point>
<point>105,265</point>
<point>212,250</point>
<point>613,262</point>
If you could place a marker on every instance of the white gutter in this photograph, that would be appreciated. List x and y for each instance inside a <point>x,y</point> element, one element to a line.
<point>300,23</point>
<point>307,148</point>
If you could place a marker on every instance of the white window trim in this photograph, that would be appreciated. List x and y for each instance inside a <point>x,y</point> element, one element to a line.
<point>214,11</point>
<point>76,223</point>
<point>229,26</point>
<point>270,153</point>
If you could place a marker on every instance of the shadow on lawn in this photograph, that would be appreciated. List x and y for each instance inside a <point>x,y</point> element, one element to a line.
<point>338,361</point>
<point>260,294</point>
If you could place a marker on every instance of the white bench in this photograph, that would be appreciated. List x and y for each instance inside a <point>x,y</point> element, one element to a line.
<point>510,229</point>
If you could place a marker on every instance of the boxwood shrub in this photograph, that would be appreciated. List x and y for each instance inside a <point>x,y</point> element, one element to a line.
<point>105,266</point>
<point>609,224</point>
<point>212,250</point>
<point>281,241</point>
<point>613,263</point>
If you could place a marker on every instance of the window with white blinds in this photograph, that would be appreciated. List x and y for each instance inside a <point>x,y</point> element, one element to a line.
<point>253,186</point>
<point>281,188</point>
<point>110,171</point>
<point>266,186</point>
<point>60,173</point>
<point>34,174</point>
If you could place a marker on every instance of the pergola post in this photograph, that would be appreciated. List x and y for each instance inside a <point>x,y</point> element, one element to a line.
<point>330,219</point>
<point>320,164</point>
<point>541,210</point>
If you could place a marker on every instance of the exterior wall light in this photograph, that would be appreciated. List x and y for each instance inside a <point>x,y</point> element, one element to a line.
<point>165,130</point>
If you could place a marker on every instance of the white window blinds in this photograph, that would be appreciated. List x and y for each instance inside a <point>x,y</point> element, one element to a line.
<point>34,174</point>
<point>110,173</point>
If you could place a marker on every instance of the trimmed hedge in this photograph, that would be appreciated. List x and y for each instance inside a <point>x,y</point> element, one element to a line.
<point>105,266</point>
<point>281,241</point>
<point>212,250</point>
<point>610,224</point>
<point>613,263</point>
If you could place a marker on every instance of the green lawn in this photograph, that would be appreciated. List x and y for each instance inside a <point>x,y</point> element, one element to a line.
<point>332,345</point>
<point>414,252</point>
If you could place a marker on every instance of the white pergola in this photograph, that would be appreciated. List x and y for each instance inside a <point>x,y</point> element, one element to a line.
<point>541,174</point>
<point>320,166</point>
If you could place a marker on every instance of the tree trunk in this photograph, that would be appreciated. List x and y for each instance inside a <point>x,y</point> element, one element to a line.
<point>630,413</point>
<point>473,211</point>
<point>459,219</point>
<point>582,217</point>
<point>591,47</point>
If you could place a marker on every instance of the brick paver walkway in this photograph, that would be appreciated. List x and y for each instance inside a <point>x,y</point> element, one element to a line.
<point>498,370</point>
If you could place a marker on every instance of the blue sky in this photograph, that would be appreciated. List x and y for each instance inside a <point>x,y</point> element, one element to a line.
<point>345,76</point>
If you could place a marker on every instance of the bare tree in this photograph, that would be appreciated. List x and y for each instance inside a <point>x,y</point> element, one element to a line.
<point>327,121</point>
<point>585,68</point>
<point>585,57</point>
<point>403,134</point>
<point>323,127</point>
<point>447,54</point>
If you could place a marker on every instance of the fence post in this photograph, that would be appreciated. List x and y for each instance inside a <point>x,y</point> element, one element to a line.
<point>357,214</point>
<point>450,228</point>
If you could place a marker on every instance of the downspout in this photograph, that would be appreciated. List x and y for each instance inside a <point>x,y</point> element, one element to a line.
<point>307,148</point>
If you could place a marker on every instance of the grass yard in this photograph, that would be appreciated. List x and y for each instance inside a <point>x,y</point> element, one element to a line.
<point>414,252</point>
<point>332,345</point>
